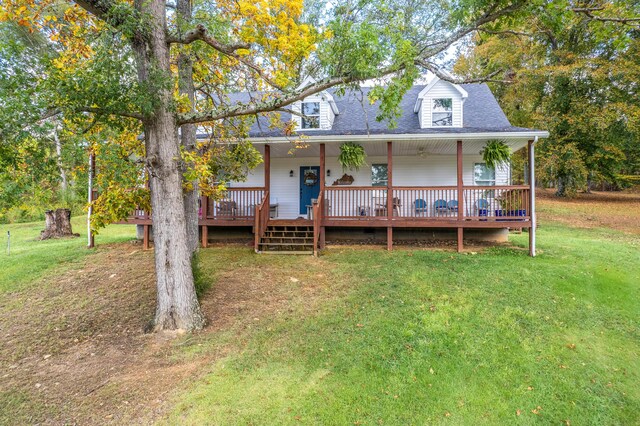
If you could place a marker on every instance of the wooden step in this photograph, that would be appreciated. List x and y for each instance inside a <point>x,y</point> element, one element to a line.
<point>287,252</point>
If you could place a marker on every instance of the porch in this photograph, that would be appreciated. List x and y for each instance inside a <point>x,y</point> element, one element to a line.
<point>277,193</point>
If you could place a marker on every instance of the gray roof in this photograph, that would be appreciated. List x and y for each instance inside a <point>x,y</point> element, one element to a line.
<point>358,117</point>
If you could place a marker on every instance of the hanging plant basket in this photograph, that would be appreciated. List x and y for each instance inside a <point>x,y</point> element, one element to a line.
<point>495,153</point>
<point>352,156</point>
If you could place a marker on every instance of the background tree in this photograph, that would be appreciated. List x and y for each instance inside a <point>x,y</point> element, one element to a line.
<point>166,68</point>
<point>572,68</point>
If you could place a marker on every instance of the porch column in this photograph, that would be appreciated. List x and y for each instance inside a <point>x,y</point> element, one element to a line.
<point>389,195</point>
<point>460,198</point>
<point>204,229</point>
<point>147,216</point>
<point>532,199</point>
<point>267,174</point>
<point>323,183</point>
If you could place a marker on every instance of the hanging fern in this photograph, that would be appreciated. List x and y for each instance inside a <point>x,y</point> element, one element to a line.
<point>495,152</point>
<point>352,156</point>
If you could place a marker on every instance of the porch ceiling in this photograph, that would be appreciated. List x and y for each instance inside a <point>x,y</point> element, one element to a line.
<point>379,149</point>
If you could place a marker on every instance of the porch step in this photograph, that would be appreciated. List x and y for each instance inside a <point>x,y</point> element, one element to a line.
<point>287,239</point>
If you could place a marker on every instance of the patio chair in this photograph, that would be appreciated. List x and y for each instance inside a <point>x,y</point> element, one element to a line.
<point>420,207</point>
<point>381,209</point>
<point>452,206</point>
<point>482,207</point>
<point>440,206</point>
<point>227,208</point>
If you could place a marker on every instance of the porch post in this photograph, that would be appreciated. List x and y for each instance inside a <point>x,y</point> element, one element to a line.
<point>322,186</point>
<point>460,198</point>
<point>203,218</point>
<point>389,195</point>
<point>532,199</point>
<point>145,233</point>
<point>267,174</point>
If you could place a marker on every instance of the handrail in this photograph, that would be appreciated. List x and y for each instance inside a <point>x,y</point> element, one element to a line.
<point>261,219</point>
<point>317,222</point>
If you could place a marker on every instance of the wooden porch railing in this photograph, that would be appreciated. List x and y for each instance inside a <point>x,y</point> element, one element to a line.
<point>497,202</point>
<point>509,202</point>
<point>261,220</point>
<point>237,204</point>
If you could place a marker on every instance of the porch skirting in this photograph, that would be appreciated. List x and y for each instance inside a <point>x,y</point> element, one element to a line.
<point>241,234</point>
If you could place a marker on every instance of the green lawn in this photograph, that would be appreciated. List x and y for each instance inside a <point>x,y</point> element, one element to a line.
<point>423,337</point>
<point>365,336</point>
<point>30,258</point>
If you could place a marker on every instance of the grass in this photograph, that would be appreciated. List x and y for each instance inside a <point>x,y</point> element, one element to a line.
<point>435,337</point>
<point>30,258</point>
<point>358,336</point>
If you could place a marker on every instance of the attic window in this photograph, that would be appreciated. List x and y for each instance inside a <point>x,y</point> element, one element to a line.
<point>311,115</point>
<point>442,114</point>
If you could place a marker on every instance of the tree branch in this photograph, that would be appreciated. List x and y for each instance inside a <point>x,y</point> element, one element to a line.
<point>489,16</point>
<point>201,33</point>
<point>588,11</point>
<point>447,77</point>
<point>263,106</point>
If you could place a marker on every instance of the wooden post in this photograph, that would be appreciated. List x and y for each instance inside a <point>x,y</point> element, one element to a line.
<point>323,183</point>
<point>145,238</point>
<point>532,199</point>
<point>267,174</point>
<point>460,198</point>
<point>92,173</point>
<point>205,236</point>
<point>389,195</point>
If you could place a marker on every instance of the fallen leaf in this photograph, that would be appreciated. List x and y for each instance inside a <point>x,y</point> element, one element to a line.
<point>518,412</point>
<point>571,346</point>
<point>447,414</point>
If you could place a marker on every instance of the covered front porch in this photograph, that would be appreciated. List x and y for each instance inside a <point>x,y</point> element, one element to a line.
<point>407,184</point>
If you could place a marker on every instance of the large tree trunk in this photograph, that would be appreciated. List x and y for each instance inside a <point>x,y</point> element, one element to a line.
<point>188,131</point>
<point>177,304</point>
<point>57,224</point>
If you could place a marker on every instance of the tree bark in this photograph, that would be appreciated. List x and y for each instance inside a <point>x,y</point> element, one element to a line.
<point>57,224</point>
<point>63,173</point>
<point>177,304</point>
<point>188,131</point>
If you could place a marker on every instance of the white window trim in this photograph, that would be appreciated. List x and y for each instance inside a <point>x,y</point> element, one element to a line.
<point>475,182</point>
<point>318,115</point>
<point>433,101</point>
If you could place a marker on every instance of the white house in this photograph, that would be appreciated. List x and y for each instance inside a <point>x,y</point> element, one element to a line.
<point>430,164</point>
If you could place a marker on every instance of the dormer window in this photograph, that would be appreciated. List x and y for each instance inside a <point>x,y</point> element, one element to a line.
<point>442,113</point>
<point>310,115</point>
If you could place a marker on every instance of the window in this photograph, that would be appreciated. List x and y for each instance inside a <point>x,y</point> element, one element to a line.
<point>311,115</point>
<point>379,175</point>
<point>483,175</point>
<point>442,113</point>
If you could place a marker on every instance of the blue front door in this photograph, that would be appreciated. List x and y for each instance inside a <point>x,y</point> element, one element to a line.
<point>309,186</point>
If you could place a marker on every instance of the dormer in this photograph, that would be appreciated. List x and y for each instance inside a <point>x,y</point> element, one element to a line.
<point>439,104</point>
<point>318,110</point>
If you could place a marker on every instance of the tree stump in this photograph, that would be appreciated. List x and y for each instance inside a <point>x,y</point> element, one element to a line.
<point>57,224</point>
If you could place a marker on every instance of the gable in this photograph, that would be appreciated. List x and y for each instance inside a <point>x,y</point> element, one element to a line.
<point>440,105</point>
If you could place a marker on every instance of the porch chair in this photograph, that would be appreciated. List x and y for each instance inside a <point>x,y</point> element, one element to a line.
<point>420,207</point>
<point>227,208</point>
<point>452,206</point>
<point>440,206</point>
<point>482,208</point>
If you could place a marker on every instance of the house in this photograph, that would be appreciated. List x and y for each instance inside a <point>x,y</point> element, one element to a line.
<point>423,177</point>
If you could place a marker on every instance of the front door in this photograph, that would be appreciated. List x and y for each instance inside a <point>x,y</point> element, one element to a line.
<point>309,186</point>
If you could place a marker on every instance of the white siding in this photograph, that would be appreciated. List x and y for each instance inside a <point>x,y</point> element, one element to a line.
<point>442,89</point>
<point>430,170</point>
